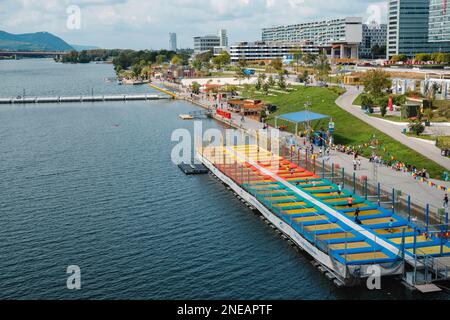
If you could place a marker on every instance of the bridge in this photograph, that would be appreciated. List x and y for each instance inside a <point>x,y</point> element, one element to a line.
<point>33,53</point>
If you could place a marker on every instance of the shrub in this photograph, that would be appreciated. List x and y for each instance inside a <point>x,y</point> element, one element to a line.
<point>417,128</point>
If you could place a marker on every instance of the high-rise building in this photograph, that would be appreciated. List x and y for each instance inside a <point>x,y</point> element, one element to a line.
<point>205,43</point>
<point>223,35</point>
<point>342,36</point>
<point>373,35</point>
<point>173,42</point>
<point>439,22</point>
<point>413,27</point>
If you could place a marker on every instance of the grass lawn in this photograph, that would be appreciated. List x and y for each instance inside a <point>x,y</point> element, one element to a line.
<point>349,129</point>
<point>358,101</point>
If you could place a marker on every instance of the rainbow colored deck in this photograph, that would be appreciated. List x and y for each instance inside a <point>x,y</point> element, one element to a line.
<point>313,207</point>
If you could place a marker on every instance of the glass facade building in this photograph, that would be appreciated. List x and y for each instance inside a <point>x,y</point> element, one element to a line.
<point>410,27</point>
<point>439,25</point>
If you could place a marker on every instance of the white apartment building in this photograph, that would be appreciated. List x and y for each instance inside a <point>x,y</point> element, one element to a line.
<point>266,51</point>
<point>343,36</point>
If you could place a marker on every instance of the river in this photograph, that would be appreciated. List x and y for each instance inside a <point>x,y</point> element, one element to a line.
<point>93,185</point>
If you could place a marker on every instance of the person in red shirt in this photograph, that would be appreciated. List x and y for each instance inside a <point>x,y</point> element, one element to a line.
<point>350,201</point>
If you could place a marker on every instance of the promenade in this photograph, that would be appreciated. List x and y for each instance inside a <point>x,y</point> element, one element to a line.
<point>420,192</point>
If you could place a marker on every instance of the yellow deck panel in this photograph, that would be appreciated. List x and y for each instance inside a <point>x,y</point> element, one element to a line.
<point>289,204</point>
<point>378,221</point>
<point>322,195</point>
<point>321,227</point>
<point>281,198</point>
<point>365,256</point>
<point>319,188</point>
<point>339,235</point>
<point>311,219</point>
<point>350,245</point>
<point>272,192</point>
<point>396,230</point>
<point>409,240</point>
<point>342,198</point>
<point>299,211</point>
<point>431,250</point>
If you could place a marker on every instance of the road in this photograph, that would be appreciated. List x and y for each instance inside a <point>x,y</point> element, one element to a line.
<point>393,130</point>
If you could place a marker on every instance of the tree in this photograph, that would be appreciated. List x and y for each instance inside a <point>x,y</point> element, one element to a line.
<point>265,88</point>
<point>378,51</point>
<point>282,83</point>
<point>417,127</point>
<point>376,82</point>
<point>176,60</point>
<point>136,69</point>
<point>277,64</point>
<point>195,88</point>
<point>271,81</point>
<point>423,57</point>
<point>221,60</point>
<point>160,59</point>
<point>322,67</point>
<point>146,72</point>
<point>400,58</point>
<point>259,83</point>
<point>309,59</point>
<point>297,55</point>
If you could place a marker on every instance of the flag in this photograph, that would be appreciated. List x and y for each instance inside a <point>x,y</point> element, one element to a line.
<point>391,104</point>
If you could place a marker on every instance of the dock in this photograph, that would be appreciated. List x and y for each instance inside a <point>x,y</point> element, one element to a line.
<point>193,169</point>
<point>310,211</point>
<point>81,98</point>
<point>169,93</point>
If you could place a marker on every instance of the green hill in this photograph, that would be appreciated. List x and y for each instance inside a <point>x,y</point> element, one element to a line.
<point>39,41</point>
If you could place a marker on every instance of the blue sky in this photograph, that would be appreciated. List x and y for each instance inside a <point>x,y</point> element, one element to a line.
<point>143,24</point>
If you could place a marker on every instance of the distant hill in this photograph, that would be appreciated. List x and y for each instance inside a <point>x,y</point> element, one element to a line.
<point>79,47</point>
<point>39,41</point>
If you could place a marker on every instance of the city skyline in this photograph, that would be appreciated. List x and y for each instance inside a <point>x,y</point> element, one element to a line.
<point>138,25</point>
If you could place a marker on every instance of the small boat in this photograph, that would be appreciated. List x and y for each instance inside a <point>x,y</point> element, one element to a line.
<point>186,117</point>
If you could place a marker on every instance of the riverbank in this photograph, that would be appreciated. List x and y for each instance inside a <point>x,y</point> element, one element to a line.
<point>421,193</point>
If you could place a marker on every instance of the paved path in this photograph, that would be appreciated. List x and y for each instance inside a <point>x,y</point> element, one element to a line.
<point>393,130</point>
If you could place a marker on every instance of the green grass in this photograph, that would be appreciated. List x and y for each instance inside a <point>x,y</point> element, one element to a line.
<point>349,129</point>
<point>358,100</point>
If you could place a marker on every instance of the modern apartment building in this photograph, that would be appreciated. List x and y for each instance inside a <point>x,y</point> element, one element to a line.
<point>373,34</point>
<point>267,51</point>
<point>342,36</point>
<point>415,26</point>
<point>439,22</point>
<point>173,42</point>
<point>205,43</point>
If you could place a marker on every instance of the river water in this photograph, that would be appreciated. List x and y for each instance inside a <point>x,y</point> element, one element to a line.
<point>93,185</point>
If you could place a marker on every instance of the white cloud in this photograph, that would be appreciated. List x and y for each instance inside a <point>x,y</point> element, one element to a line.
<point>145,24</point>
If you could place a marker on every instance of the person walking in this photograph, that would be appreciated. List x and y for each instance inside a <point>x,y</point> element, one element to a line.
<point>339,190</point>
<point>446,201</point>
<point>350,201</point>
<point>355,165</point>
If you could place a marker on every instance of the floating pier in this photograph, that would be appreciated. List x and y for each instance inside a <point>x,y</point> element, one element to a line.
<point>193,169</point>
<point>310,212</point>
<point>102,98</point>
